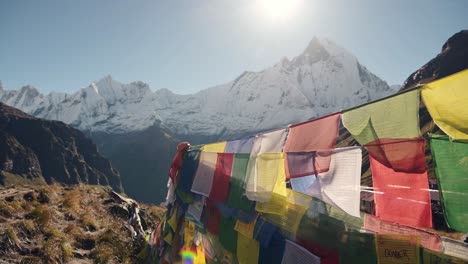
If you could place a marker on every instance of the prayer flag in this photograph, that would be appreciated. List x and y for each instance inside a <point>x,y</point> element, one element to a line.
<point>221,178</point>
<point>393,249</point>
<point>188,170</point>
<point>445,100</point>
<point>340,185</point>
<point>401,197</point>
<point>293,253</point>
<point>217,147</point>
<point>313,135</point>
<point>203,179</point>
<point>395,117</point>
<point>247,250</point>
<point>212,218</point>
<point>268,168</point>
<point>240,146</point>
<point>236,194</point>
<point>451,167</point>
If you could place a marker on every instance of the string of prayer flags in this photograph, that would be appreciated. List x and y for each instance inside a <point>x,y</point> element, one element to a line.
<point>340,185</point>
<point>222,174</point>
<point>248,250</point>
<point>313,135</point>
<point>268,168</point>
<point>445,100</point>
<point>217,147</point>
<point>203,178</point>
<point>236,197</point>
<point>395,117</point>
<point>451,167</point>
<point>428,240</point>
<point>293,253</point>
<point>401,197</point>
<point>397,249</point>
<point>240,146</point>
<point>188,170</point>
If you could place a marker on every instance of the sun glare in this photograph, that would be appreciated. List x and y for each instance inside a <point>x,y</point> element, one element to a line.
<point>278,10</point>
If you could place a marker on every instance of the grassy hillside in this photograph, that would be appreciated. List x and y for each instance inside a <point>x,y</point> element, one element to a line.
<point>72,224</point>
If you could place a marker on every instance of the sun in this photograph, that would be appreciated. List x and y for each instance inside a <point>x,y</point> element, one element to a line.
<point>278,10</point>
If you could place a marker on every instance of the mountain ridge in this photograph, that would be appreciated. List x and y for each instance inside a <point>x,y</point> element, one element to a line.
<point>289,91</point>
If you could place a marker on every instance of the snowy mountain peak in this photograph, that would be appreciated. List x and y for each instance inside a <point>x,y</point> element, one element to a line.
<point>323,79</point>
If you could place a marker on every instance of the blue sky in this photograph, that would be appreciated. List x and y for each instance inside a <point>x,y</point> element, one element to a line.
<point>185,46</point>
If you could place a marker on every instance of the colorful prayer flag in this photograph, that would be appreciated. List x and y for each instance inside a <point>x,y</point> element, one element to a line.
<point>451,167</point>
<point>222,175</point>
<point>401,197</point>
<point>313,135</point>
<point>395,117</point>
<point>445,100</point>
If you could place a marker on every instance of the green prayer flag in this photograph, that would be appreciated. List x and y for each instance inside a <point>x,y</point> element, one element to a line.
<point>431,257</point>
<point>451,167</point>
<point>359,248</point>
<point>227,234</point>
<point>237,198</point>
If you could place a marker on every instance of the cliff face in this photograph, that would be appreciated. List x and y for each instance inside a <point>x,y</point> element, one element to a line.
<point>49,151</point>
<point>452,58</point>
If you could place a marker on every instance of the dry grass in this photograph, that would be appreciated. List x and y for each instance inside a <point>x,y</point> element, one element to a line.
<point>71,201</point>
<point>42,214</point>
<point>52,224</point>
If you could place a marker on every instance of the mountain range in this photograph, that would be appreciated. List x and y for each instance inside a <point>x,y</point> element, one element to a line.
<point>137,128</point>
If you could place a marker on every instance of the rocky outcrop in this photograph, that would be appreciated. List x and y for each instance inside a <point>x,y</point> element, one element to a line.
<point>50,151</point>
<point>452,58</point>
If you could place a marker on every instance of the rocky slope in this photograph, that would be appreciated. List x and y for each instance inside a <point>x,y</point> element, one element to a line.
<point>41,151</point>
<point>73,224</point>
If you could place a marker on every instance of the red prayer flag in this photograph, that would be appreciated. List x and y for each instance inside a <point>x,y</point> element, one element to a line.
<point>222,174</point>
<point>427,239</point>
<point>313,135</point>
<point>326,255</point>
<point>405,155</point>
<point>402,197</point>
<point>212,217</point>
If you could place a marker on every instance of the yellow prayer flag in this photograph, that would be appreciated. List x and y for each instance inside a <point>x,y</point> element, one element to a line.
<point>246,229</point>
<point>173,220</point>
<point>189,232</point>
<point>401,249</point>
<point>446,100</point>
<point>200,258</point>
<point>217,147</point>
<point>247,250</point>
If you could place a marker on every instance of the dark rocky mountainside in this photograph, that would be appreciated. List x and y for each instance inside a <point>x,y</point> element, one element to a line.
<point>143,158</point>
<point>452,58</point>
<point>40,151</point>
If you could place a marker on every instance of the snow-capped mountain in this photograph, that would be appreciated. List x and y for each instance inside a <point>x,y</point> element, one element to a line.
<point>323,79</point>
